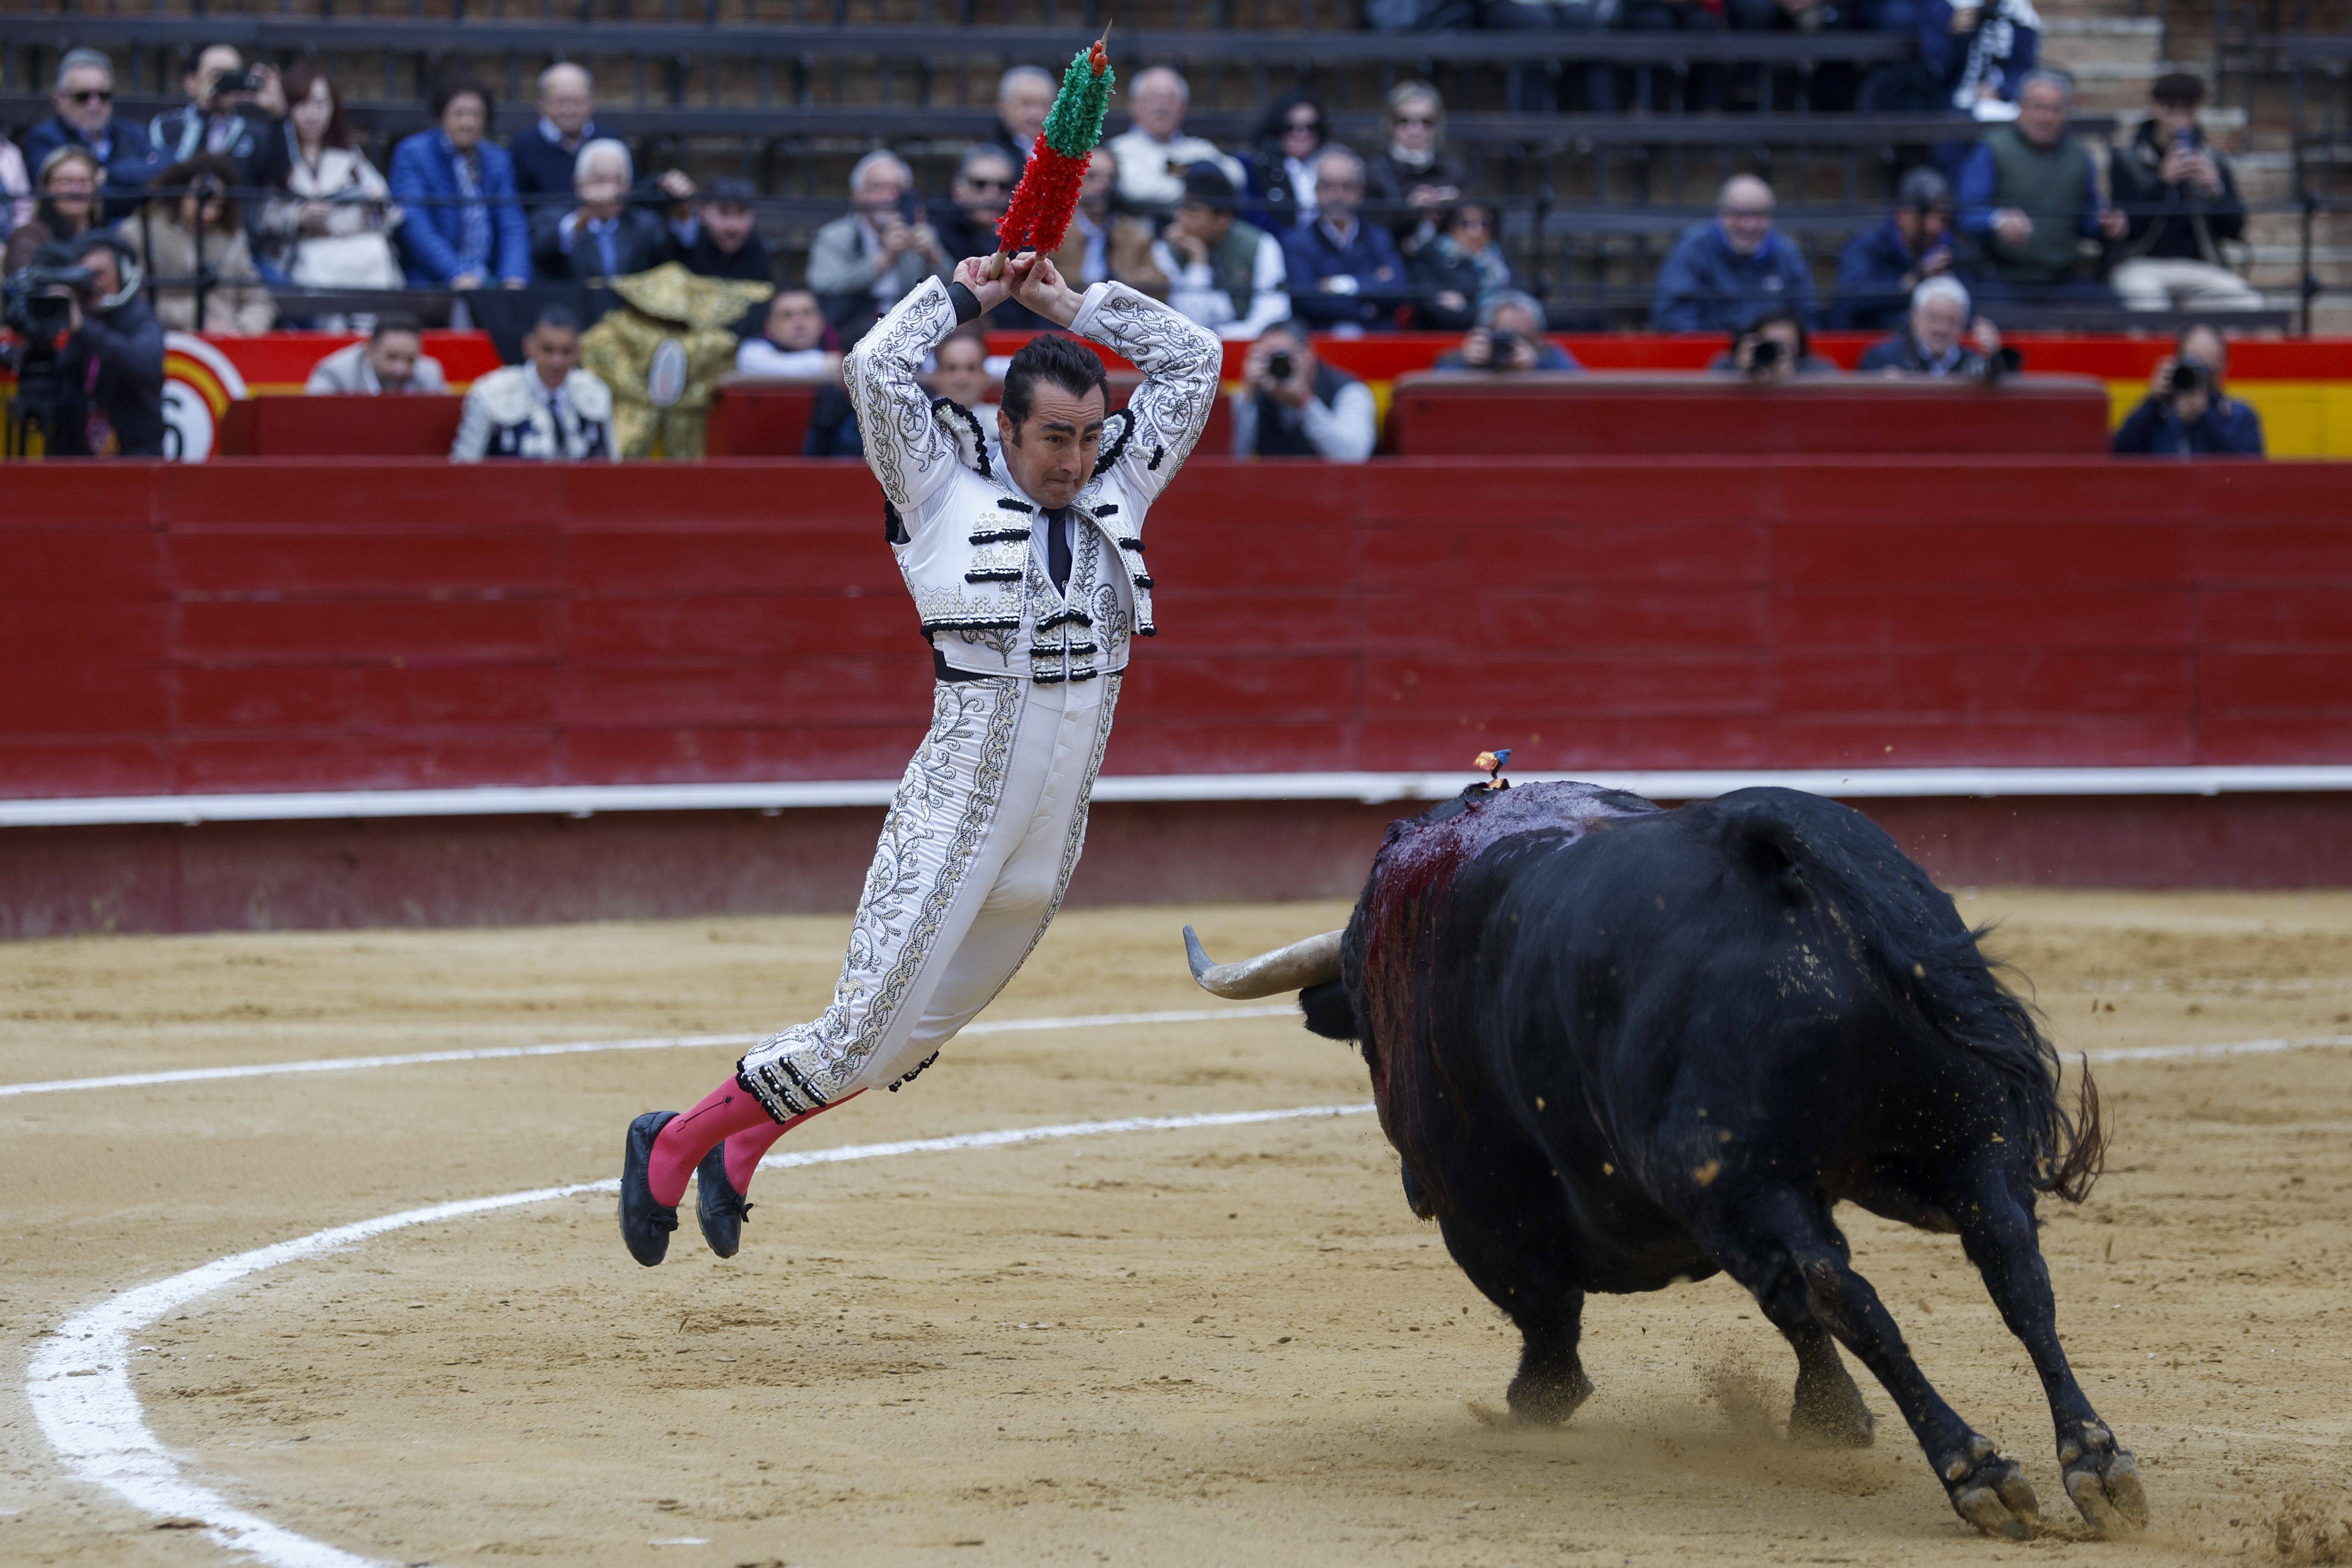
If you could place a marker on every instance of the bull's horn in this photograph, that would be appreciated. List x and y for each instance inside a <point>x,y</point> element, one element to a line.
<point>1292,969</point>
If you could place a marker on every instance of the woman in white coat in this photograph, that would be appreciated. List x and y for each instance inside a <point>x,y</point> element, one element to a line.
<point>333,228</point>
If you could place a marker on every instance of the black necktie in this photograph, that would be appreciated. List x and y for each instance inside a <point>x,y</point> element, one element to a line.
<point>1058,549</point>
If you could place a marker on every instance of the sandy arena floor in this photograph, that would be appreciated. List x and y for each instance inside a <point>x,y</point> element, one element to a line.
<point>1222,1345</point>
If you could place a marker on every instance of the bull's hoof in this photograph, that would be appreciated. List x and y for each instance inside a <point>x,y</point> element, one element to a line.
<point>1990,1493</point>
<point>1548,1398</point>
<point>1831,1416</point>
<point>2103,1481</point>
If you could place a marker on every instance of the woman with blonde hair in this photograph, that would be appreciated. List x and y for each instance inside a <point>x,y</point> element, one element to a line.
<point>68,185</point>
<point>190,238</point>
<point>1411,180</point>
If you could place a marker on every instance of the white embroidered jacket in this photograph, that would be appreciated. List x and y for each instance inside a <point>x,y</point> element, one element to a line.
<point>965,537</point>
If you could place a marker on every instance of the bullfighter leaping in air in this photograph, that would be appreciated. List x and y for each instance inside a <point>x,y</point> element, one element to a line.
<point>1025,561</point>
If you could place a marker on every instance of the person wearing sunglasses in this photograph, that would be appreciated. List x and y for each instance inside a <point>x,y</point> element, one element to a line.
<point>1410,181</point>
<point>83,99</point>
<point>974,204</point>
<point>1281,192</point>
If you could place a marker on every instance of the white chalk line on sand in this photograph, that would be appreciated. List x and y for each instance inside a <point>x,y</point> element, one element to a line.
<point>989,1026</point>
<point>583,1047</point>
<point>79,1381</point>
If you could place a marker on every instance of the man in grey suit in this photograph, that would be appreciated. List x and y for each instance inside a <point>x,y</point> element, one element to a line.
<point>393,360</point>
<point>864,263</point>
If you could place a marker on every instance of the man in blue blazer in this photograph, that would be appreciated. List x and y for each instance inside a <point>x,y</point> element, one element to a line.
<point>85,117</point>
<point>463,228</point>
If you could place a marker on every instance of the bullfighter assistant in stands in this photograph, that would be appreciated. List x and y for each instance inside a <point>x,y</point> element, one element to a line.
<point>1024,556</point>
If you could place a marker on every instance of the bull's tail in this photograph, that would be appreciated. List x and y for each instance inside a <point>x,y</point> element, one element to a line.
<point>1928,956</point>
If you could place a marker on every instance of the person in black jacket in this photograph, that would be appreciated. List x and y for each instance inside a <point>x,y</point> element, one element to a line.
<point>603,236</point>
<point>2188,411</point>
<point>2181,200</point>
<point>232,111</point>
<point>112,367</point>
<point>722,239</point>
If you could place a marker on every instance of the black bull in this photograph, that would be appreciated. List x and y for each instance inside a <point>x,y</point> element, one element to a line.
<point>1618,1047</point>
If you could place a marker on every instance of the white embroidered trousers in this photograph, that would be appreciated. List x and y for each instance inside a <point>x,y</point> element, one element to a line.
<point>975,855</point>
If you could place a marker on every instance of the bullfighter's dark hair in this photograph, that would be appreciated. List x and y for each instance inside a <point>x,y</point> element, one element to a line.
<point>1056,358</point>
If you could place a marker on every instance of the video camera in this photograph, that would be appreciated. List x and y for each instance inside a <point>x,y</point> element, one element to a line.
<point>36,305</point>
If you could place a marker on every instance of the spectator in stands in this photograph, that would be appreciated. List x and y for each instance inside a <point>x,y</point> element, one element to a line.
<point>2188,412</point>
<point>1939,340</point>
<point>1456,274</point>
<point>112,367</point>
<point>1509,336</point>
<point>602,235</point>
<point>1282,164</point>
<point>463,228</point>
<point>1292,404</point>
<point>332,227</point>
<point>1103,244</point>
<point>231,112</point>
<point>791,341</point>
<point>959,374</point>
<point>1154,154</point>
<point>190,238</point>
<point>391,361</point>
<point>84,101</point>
<point>66,209</point>
<point>1223,273</point>
<point>546,408</point>
<point>1980,53</point>
<point>1775,347</point>
<point>1412,179</point>
<point>2030,196</point>
<point>2181,200</point>
<point>975,201</point>
<point>1344,274</point>
<point>1725,273</point>
<point>864,263</point>
<point>545,155</point>
<point>723,239</point>
<point>16,189</point>
<point>1025,95</point>
<point>1879,270</point>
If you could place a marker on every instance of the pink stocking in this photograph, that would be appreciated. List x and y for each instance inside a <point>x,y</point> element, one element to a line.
<point>746,1149</point>
<point>729,1109</point>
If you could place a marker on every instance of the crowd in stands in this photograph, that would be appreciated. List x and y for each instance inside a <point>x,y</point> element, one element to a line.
<point>257,184</point>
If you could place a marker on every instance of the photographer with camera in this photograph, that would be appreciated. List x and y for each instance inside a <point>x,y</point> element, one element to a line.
<point>1774,348</point>
<point>1509,336</point>
<point>231,111</point>
<point>2186,411</point>
<point>90,362</point>
<point>1294,405</point>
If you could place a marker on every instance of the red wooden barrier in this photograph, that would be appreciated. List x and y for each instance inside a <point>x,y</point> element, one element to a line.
<point>269,624</point>
<point>343,426</point>
<point>769,418</point>
<point>1454,415</point>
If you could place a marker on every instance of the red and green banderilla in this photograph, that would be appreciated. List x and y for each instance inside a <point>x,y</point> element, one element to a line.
<point>1038,217</point>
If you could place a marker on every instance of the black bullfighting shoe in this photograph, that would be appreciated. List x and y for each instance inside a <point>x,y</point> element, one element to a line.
<point>717,1203</point>
<point>646,1225</point>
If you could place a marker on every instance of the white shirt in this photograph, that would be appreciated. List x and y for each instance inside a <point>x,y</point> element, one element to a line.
<point>1192,291</point>
<point>1145,175</point>
<point>759,357</point>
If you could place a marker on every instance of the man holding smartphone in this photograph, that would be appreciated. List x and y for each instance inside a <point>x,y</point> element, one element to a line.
<point>2182,201</point>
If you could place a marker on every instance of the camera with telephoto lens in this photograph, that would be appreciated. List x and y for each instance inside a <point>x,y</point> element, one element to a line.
<point>2188,376</point>
<point>1280,366</point>
<point>1503,346</point>
<point>1764,357</point>
<point>35,303</point>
